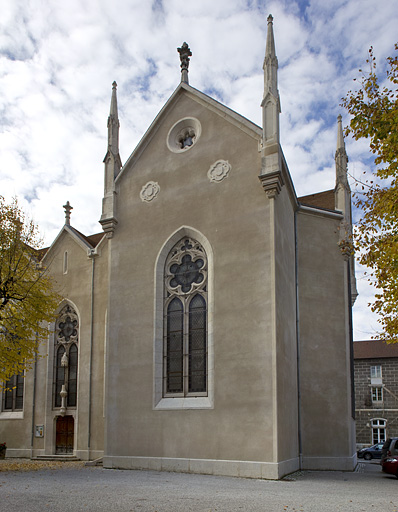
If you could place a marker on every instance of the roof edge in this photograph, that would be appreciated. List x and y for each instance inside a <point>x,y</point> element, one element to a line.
<point>238,120</point>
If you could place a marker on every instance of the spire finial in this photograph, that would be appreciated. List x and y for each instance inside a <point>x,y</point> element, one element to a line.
<point>271,102</point>
<point>68,208</point>
<point>113,164</point>
<point>341,157</point>
<point>271,175</point>
<point>270,52</point>
<point>185,53</point>
<point>340,135</point>
<point>113,123</point>
<point>113,109</point>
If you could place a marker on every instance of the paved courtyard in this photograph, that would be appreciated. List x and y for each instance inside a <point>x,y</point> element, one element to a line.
<point>61,487</point>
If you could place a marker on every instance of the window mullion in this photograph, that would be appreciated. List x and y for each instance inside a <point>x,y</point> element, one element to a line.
<point>186,346</point>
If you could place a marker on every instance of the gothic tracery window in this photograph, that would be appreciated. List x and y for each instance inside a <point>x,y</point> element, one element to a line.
<point>185,320</point>
<point>66,356</point>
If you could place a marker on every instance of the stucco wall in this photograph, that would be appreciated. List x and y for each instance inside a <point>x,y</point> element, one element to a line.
<point>75,285</point>
<point>327,428</point>
<point>286,339</point>
<point>233,216</point>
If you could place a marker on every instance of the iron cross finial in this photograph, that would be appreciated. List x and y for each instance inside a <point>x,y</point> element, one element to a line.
<point>185,53</point>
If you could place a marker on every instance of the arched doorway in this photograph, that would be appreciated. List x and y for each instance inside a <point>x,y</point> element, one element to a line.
<point>64,438</point>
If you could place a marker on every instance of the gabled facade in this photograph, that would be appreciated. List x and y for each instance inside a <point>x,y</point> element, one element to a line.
<point>72,356</point>
<point>212,320</point>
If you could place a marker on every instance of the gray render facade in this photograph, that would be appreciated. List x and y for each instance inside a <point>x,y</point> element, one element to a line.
<point>207,329</point>
<point>376,391</point>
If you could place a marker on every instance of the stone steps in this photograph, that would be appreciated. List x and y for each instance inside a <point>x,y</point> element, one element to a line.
<point>59,458</point>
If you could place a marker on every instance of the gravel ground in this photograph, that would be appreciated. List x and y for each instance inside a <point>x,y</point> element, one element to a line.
<point>37,486</point>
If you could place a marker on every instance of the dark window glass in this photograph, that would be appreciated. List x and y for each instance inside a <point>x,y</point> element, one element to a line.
<point>72,376</point>
<point>19,392</point>
<point>8,393</point>
<point>13,394</point>
<point>197,345</point>
<point>59,376</point>
<point>174,358</point>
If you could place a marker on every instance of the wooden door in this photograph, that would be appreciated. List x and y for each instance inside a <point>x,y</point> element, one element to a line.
<point>64,435</point>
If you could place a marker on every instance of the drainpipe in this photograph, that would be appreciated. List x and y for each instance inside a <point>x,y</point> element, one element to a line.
<point>351,334</point>
<point>92,256</point>
<point>34,403</point>
<point>300,445</point>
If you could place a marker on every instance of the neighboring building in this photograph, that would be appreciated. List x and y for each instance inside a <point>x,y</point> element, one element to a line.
<point>376,391</point>
<point>208,329</point>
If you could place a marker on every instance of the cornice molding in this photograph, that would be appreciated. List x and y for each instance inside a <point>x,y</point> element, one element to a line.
<point>272,183</point>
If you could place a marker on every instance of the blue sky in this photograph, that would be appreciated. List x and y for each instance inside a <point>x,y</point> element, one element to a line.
<point>58,61</point>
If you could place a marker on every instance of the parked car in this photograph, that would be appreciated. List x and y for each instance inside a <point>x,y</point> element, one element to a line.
<point>372,452</point>
<point>390,466</point>
<point>390,449</point>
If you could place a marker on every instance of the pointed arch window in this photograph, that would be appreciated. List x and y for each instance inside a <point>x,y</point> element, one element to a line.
<point>66,356</point>
<point>185,320</point>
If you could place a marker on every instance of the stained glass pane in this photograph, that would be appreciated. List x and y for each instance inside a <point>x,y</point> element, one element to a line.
<point>8,394</point>
<point>72,376</point>
<point>19,392</point>
<point>59,376</point>
<point>197,345</point>
<point>174,347</point>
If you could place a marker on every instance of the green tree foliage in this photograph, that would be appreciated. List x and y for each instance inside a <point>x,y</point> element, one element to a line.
<point>27,297</point>
<point>374,111</point>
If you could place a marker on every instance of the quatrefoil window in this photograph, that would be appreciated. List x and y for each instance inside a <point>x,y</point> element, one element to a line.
<point>68,328</point>
<point>187,273</point>
<point>186,268</point>
<point>186,139</point>
<point>184,134</point>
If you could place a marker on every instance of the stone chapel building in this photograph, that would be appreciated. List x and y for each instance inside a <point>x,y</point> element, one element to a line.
<point>207,329</point>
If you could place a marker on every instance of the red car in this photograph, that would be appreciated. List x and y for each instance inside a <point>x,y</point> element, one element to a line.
<point>390,466</point>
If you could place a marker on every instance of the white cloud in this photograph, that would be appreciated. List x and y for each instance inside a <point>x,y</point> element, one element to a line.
<point>59,59</point>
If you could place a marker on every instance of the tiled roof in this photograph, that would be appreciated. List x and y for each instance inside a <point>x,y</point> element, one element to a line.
<point>91,239</point>
<point>374,349</point>
<point>321,200</point>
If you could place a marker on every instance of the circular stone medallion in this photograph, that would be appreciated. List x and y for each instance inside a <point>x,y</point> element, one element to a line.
<point>149,191</point>
<point>219,170</point>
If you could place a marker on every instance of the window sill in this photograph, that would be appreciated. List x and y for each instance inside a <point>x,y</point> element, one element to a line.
<point>202,402</point>
<point>11,415</point>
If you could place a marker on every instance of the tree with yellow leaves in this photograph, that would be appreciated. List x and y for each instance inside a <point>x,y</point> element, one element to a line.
<point>27,297</point>
<point>374,111</point>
